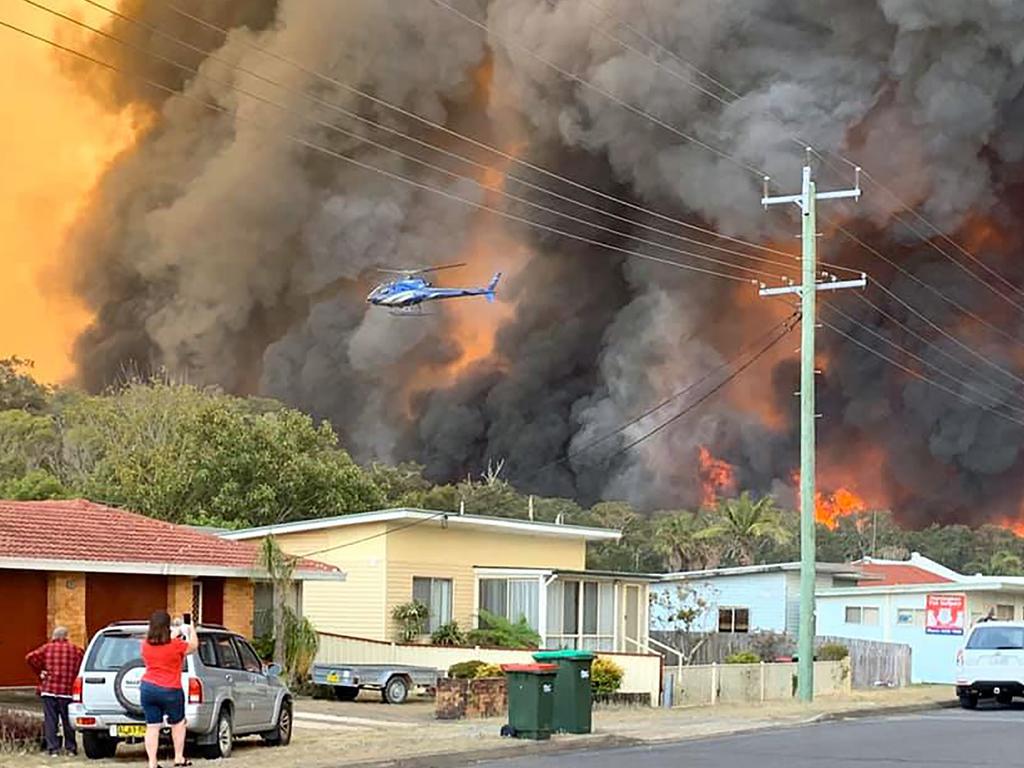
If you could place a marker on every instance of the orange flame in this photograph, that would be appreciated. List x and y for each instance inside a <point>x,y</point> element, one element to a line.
<point>717,477</point>
<point>829,507</point>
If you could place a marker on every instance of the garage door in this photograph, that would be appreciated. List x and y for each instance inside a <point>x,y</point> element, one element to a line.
<point>113,597</point>
<point>23,604</point>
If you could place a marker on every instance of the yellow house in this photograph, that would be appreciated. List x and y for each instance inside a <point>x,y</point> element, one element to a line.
<point>458,565</point>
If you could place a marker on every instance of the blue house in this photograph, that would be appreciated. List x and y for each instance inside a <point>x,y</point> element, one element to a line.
<point>755,598</point>
<point>903,601</point>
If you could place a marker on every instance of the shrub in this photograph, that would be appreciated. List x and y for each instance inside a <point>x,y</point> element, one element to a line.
<point>448,634</point>
<point>743,657</point>
<point>499,632</point>
<point>264,647</point>
<point>301,643</point>
<point>770,645</point>
<point>465,670</point>
<point>411,619</point>
<point>489,670</point>
<point>605,676</point>
<point>19,731</point>
<point>833,652</point>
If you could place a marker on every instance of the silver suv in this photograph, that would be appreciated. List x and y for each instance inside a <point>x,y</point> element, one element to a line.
<point>228,692</point>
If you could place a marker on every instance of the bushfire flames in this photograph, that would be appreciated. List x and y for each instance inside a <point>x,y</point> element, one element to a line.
<point>718,480</point>
<point>829,507</point>
<point>717,477</point>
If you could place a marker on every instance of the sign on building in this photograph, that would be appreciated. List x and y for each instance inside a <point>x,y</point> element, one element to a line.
<point>945,614</point>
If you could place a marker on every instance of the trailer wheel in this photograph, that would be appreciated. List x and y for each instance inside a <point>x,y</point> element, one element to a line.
<point>396,691</point>
<point>345,692</point>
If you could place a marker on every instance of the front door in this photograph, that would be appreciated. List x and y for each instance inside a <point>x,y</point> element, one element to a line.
<point>631,642</point>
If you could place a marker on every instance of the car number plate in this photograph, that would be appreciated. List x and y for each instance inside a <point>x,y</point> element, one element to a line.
<point>334,677</point>
<point>131,731</point>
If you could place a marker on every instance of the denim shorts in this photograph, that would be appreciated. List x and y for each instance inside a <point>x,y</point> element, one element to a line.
<point>158,701</point>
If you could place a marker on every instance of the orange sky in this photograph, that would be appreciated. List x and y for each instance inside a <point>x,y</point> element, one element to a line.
<point>56,142</point>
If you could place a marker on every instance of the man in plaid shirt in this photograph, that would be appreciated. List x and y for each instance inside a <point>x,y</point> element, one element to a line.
<point>57,664</point>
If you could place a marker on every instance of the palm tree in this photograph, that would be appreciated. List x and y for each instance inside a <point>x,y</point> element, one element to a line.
<point>745,524</point>
<point>681,538</point>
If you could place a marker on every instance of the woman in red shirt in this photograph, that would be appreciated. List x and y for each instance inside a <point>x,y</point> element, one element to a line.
<point>161,693</point>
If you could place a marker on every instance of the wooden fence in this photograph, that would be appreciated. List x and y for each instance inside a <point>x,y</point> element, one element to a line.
<point>872,663</point>
<point>642,672</point>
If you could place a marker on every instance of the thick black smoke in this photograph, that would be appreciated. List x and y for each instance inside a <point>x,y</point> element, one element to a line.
<point>220,249</point>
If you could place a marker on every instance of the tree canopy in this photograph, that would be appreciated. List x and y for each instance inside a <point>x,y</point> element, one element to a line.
<point>193,455</point>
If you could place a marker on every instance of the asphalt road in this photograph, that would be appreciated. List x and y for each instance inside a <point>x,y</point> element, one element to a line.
<point>987,737</point>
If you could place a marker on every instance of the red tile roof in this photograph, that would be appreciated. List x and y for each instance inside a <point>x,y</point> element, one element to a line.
<point>888,574</point>
<point>81,531</point>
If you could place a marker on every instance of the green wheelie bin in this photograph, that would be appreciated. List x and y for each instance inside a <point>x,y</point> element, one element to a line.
<point>574,700</point>
<point>531,700</point>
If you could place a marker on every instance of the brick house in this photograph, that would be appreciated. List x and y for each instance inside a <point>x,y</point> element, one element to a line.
<point>82,565</point>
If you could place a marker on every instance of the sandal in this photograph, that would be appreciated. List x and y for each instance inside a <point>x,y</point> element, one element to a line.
<point>181,765</point>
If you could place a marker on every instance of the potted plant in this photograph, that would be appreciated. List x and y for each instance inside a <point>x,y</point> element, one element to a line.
<point>411,619</point>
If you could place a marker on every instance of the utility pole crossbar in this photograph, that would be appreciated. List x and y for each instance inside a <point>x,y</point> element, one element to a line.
<point>833,285</point>
<point>807,291</point>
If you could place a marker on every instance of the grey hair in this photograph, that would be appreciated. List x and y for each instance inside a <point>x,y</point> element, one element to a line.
<point>60,633</point>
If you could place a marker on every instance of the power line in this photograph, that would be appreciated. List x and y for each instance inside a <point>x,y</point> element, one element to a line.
<point>411,158</point>
<point>366,166</point>
<point>598,89</point>
<point>918,375</point>
<point>718,387</point>
<point>380,534</point>
<point>996,401</point>
<point>669,52</point>
<point>472,141</point>
<point>1002,387</point>
<point>787,324</point>
<point>932,289</point>
<point>427,145</point>
<point>802,142</point>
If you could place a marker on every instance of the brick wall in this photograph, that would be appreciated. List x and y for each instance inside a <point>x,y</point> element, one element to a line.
<point>483,698</point>
<point>65,604</point>
<point>179,595</point>
<point>238,606</point>
<point>488,697</point>
<point>450,702</point>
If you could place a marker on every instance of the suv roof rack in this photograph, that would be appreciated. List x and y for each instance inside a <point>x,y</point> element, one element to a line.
<point>144,622</point>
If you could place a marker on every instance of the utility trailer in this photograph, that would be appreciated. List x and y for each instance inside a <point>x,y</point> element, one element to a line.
<point>394,681</point>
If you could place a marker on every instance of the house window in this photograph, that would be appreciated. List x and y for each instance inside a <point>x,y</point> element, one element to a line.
<point>512,599</point>
<point>263,607</point>
<point>909,617</point>
<point>436,594</point>
<point>1004,613</point>
<point>581,614</point>
<point>856,614</point>
<point>734,620</point>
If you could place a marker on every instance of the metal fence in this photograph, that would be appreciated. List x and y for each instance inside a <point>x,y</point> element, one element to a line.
<point>871,663</point>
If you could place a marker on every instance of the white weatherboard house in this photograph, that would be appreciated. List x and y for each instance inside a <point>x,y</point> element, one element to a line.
<point>755,598</point>
<point>920,603</point>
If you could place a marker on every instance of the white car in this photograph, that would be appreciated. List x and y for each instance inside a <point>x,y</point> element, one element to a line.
<point>991,664</point>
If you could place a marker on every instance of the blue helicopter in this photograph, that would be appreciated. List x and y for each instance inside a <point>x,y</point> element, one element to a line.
<point>411,290</point>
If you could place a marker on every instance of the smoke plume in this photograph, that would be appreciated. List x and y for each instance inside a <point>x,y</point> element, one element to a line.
<point>220,249</point>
